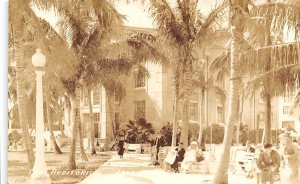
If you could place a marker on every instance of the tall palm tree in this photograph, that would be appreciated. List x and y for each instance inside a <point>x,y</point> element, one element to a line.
<point>276,17</point>
<point>262,73</point>
<point>84,31</point>
<point>18,20</point>
<point>237,28</point>
<point>265,19</point>
<point>26,30</point>
<point>181,28</point>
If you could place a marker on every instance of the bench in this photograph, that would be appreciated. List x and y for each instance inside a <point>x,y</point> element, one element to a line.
<point>134,148</point>
<point>197,167</point>
<point>244,160</point>
<point>146,148</point>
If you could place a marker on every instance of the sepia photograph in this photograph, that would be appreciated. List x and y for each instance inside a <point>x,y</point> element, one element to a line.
<point>153,92</point>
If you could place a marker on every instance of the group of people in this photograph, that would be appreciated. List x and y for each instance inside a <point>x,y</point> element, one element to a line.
<point>278,164</point>
<point>186,157</point>
<point>269,164</point>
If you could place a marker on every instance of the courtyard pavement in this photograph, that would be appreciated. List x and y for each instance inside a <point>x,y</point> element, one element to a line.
<point>137,169</point>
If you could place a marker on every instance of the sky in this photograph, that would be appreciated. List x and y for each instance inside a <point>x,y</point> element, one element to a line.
<point>136,14</point>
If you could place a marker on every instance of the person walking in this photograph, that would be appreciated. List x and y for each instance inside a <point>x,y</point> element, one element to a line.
<point>268,162</point>
<point>159,142</point>
<point>121,147</point>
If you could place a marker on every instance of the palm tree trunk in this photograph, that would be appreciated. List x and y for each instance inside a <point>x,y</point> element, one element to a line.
<point>111,105</point>
<point>240,118</point>
<point>175,113</point>
<point>50,127</point>
<point>82,152</point>
<point>185,122</point>
<point>80,136</point>
<point>202,115</point>
<point>21,97</point>
<point>187,88</point>
<point>61,128</point>
<point>91,130</point>
<point>74,122</point>
<point>108,121</point>
<point>236,20</point>
<point>268,118</point>
<point>267,95</point>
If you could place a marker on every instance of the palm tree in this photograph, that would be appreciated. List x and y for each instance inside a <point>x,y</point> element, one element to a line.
<point>26,31</point>
<point>263,74</point>
<point>237,28</point>
<point>18,26</point>
<point>84,34</point>
<point>277,15</point>
<point>181,28</point>
<point>267,18</point>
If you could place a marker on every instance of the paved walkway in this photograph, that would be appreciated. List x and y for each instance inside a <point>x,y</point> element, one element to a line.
<point>136,169</point>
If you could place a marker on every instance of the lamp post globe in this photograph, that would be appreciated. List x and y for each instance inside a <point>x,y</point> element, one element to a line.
<point>38,59</point>
<point>39,173</point>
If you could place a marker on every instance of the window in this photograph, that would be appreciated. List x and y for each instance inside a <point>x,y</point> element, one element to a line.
<point>139,79</point>
<point>193,111</point>
<point>96,117</point>
<point>139,110</point>
<point>286,109</point>
<point>96,96</point>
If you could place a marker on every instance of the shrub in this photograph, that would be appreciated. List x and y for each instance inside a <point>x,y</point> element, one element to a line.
<point>217,134</point>
<point>244,133</point>
<point>14,136</point>
<point>252,135</point>
<point>139,131</point>
<point>166,132</point>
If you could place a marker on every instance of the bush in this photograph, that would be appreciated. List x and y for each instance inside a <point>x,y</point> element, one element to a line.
<point>14,137</point>
<point>217,134</point>
<point>166,132</point>
<point>139,131</point>
<point>252,135</point>
<point>243,137</point>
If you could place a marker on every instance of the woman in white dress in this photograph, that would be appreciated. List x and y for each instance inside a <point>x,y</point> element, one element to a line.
<point>190,157</point>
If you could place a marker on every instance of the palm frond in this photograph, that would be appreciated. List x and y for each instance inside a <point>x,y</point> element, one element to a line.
<point>167,21</point>
<point>220,66</point>
<point>279,81</point>
<point>255,62</point>
<point>280,14</point>
<point>212,19</point>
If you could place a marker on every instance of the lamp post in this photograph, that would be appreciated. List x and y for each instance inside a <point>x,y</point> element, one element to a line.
<point>39,173</point>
